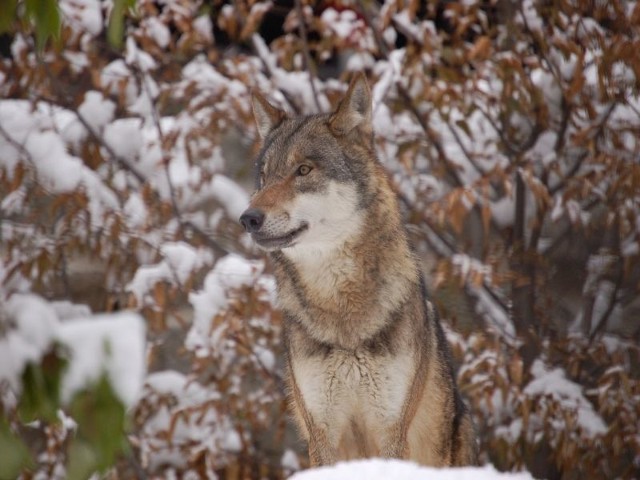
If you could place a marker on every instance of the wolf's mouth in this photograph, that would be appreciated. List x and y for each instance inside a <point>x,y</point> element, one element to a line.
<point>276,243</point>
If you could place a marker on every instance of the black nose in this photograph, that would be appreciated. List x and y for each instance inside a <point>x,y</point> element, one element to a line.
<point>252,219</point>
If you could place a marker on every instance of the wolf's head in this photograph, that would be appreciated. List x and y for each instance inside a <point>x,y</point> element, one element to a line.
<point>313,174</point>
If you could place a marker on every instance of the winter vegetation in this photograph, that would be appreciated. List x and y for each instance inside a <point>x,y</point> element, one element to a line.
<point>139,332</point>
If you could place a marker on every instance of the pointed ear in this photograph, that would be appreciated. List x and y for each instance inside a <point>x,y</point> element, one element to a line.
<point>267,116</point>
<point>354,109</point>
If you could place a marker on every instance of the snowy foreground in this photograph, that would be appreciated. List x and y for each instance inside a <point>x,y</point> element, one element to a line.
<point>378,469</point>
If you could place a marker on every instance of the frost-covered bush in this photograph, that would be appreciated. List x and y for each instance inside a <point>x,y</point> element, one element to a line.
<point>558,414</point>
<point>66,377</point>
<point>227,411</point>
<point>510,131</point>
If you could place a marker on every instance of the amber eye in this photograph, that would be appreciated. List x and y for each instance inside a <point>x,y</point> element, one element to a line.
<point>303,170</point>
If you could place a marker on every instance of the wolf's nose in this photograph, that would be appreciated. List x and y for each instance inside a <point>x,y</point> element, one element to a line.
<point>252,219</point>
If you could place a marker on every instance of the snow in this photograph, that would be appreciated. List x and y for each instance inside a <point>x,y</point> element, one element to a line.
<point>231,442</point>
<point>202,25</point>
<point>66,310</point>
<point>390,73</point>
<point>466,266</point>
<point>83,15</point>
<point>511,432</point>
<point>158,31</point>
<point>529,15</point>
<point>168,382</point>
<point>137,57</point>
<point>180,261</point>
<point>116,78</point>
<point>374,469</point>
<point>136,211</point>
<point>289,461</point>
<point>489,309</point>
<point>265,357</point>
<point>111,344</point>
<point>35,329</point>
<point>200,71</point>
<point>124,137</point>
<point>58,171</point>
<point>503,210</point>
<point>230,273</point>
<point>296,84</point>
<point>555,384</point>
<point>407,26</point>
<point>183,413</point>
<point>46,150</point>
<point>360,61</point>
<point>229,194</point>
<point>343,23</point>
<point>96,110</point>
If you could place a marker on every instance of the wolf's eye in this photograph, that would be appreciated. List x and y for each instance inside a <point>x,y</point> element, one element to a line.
<point>303,170</point>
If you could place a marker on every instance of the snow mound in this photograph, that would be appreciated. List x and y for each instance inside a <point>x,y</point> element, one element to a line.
<point>554,383</point>
<point>377,468</point>
<point>106,344</point>
<point>111,344</point>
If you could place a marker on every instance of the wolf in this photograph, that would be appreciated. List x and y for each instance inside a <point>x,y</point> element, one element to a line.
<point>368,367</point>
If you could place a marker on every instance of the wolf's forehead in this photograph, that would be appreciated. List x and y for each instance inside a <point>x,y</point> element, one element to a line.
<point>298,137</point>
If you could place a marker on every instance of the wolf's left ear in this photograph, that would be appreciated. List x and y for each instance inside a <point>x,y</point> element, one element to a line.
<point>354,109</point>
<point>267,116</point>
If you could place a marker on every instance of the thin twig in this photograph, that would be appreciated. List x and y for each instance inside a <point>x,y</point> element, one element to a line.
<point>302,28</point>
<point>466,152</point>
<point>610,307</point>
<point>255,39</point>
<point>16,145</point>
<point>583,156</point>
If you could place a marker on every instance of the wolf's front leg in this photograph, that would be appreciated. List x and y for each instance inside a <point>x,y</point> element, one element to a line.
<point>394,442</point>
<point>320,450</point>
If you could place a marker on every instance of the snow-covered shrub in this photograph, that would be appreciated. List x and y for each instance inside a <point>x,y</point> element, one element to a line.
<point>567,414</point>
<point>226,412</point>
<point>59,361</point>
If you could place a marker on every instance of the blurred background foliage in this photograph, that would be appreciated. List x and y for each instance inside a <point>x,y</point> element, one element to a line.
<point>511,131</point>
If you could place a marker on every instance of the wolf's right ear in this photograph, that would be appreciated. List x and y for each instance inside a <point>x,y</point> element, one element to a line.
<point>267,116</point>
<point>354,109</point>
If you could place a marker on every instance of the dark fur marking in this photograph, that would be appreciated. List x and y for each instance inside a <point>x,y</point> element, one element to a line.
<point>360,176</point>
<point>296,283</point>
<point>381,343</point>
<point>446,361</point>
<point>312,347</point>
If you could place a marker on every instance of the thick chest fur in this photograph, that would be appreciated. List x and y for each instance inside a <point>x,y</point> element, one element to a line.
<point>354,390</point>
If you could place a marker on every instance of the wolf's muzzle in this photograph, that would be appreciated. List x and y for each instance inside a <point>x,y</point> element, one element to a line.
<point>252,220</point>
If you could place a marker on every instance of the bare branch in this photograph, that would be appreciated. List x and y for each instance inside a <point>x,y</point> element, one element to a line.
<point>16,145</point>
<point>585,154</point>
<point>259,47</point>
<point>302,28</point>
